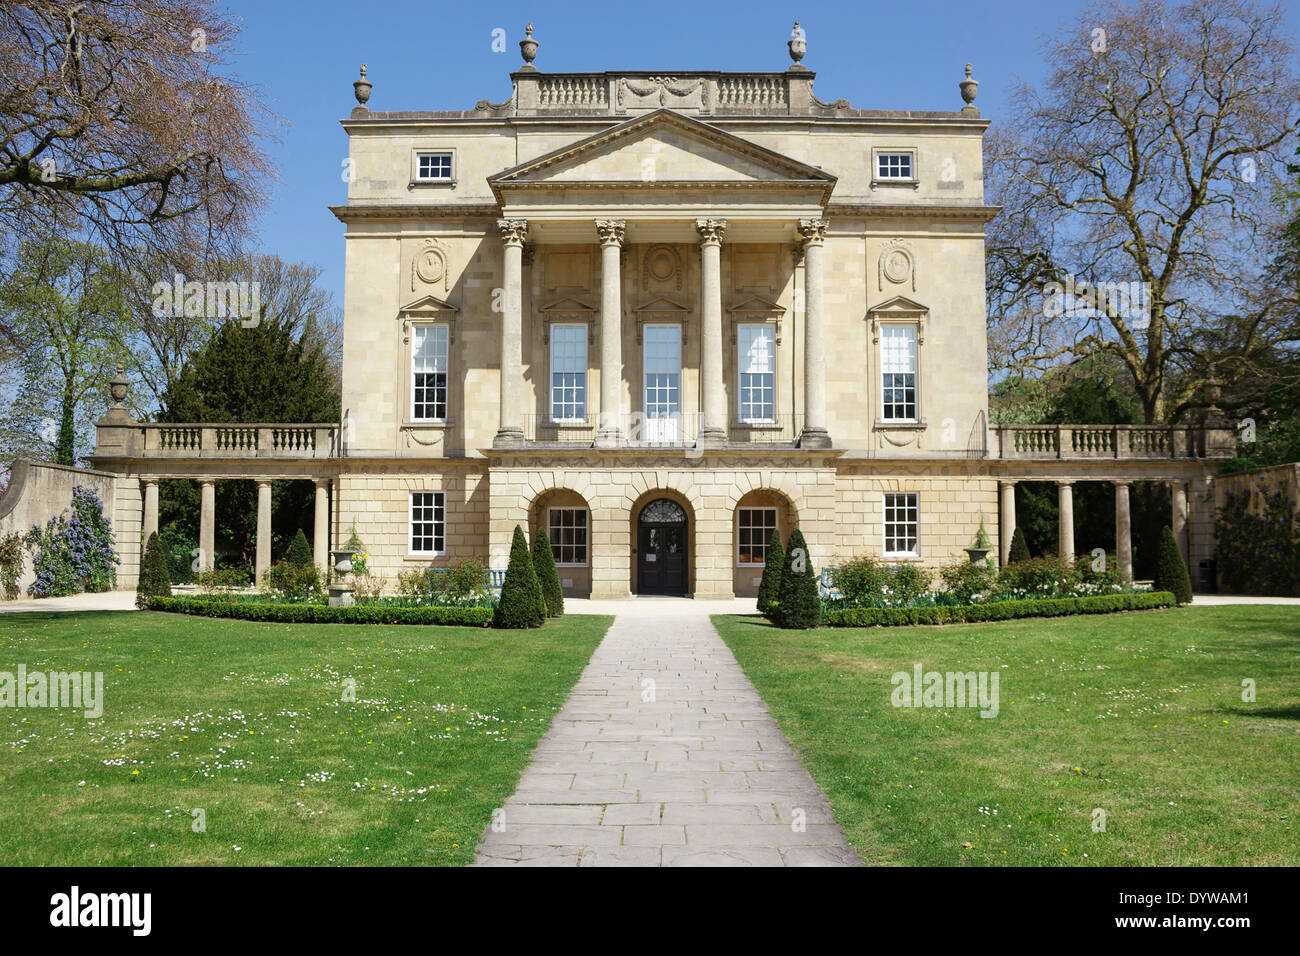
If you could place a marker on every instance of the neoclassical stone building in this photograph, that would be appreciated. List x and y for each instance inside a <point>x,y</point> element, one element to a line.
<point>661,315</point>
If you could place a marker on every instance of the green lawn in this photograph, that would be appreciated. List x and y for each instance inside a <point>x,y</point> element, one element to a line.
<point>1140,715</point>
<point>248,722</point>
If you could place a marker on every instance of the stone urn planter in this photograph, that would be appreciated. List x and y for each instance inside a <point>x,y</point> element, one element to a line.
<point>977,555</point>
<point>340,591</point>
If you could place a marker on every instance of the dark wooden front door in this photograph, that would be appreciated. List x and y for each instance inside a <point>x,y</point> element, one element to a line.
<point>661,550</point>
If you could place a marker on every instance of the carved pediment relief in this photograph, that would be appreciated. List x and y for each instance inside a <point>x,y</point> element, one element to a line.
<point>897,265</point>
<point>429,267</point>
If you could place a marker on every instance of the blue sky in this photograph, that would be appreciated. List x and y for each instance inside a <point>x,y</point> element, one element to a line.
<point>877,55</point>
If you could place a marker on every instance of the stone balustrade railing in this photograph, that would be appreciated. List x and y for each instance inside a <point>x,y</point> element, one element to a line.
<point>1123,442</point>
<point>154,440</point>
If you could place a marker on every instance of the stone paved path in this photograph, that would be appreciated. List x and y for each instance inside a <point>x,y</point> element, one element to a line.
<point>694,774</point>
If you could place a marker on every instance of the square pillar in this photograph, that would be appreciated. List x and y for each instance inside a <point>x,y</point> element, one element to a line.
<point>207,517</point>
<point>814,433</point>
<point>321,526</point>
<point>511,431</point>
<point>1123,533</point>
<point>609,433</point>
<point>1065,521</point>
<point>713,425</point>
<point>1008,509</point>
<point>149,521</point>
<point>263,563</point>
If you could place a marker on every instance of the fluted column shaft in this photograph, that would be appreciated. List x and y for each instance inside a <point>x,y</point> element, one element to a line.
<point>713,427</point>
<point>513,233</point>
<point>814,433</point>
<point>610,232</point>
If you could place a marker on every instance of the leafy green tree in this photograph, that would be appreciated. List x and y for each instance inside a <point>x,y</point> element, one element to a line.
<point>275,371</point>
<point>154,580</point>
<point>800,602</point>
<point>64,305</point>
<point>1171,571</point>
<point>769,588</point>
<point>547,576</point>
<point>522,604</point>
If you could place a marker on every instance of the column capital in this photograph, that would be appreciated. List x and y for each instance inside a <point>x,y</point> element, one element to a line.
<point>611,232</point>
<point>513,231</point>
<point>148,481</point>
<point>322,482</point>
<point>1065,481</point>
<point>1008,482</point>
<point>812,232</point>
<point>712,231</point>
<point>1121,482</point>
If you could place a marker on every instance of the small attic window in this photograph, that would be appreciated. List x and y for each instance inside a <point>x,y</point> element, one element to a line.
<point>432,167</point>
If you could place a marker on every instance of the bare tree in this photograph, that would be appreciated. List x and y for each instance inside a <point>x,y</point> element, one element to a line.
<point>1151,160</point>
<point>118,121</point>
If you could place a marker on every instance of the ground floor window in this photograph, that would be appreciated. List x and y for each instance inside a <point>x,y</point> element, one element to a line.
<point>901,524</point>
<point>754,530</point>
<point>428,522</point>
<point>567,529</point>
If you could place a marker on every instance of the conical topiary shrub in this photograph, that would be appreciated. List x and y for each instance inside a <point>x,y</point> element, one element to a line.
<point>1171,570</point>
<point>154,581</point>
<point>547,576</point>
<point>800,604</point>
<point>522,604</point>
<point>299,552</point>
<point>1019,547</point>
<point>769,589</point>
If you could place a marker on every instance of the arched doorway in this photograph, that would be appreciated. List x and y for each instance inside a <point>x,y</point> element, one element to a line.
<point>661,552</point>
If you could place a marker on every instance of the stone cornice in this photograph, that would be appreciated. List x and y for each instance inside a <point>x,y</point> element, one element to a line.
<point>913,211</point>
<point>356,211</point>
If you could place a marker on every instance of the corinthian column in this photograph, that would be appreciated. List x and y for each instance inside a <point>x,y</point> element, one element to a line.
<point>813,233</point>
<point>610,232</point>
<point>511,432</point>
<point>713,427</point>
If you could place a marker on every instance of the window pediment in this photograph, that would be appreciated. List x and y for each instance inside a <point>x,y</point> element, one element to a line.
<point>661,309</point>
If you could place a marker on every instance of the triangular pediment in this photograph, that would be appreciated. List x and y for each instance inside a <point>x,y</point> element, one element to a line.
<point>899,304</point>
<point>567,306</point>
<point>757,304</point>
<point>661,304</point>
<point>427,305</point>
<point>662,148</point>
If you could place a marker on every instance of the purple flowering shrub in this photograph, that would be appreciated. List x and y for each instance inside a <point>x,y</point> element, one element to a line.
<point>74,551</point>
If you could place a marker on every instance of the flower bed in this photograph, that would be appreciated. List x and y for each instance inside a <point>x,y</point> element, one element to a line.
<point>304,613</point>
<point>995,611</point>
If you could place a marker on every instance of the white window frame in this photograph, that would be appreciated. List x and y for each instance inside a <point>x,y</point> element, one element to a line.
<point>584,337</point>
<point>586,544</point>
<point>878,153</point>
<point>915,506</point>
<point>418,180</point>
<point>438,504</point>
<point>883,332</point>
<point>445,330</point>
<point>776,523</point>
<point>769,331</point>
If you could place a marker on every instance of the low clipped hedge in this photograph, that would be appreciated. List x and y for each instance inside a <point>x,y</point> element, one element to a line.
<point>323,613</point>
<point>996,610</point>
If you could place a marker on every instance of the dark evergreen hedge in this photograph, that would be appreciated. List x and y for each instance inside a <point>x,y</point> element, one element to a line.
<point>769,588</point>
<point>299,552</point>
<point>996,610</point>
<point>547,576</point>
<point>522,603</point>
<point>154,581</point>
<point>1019,547</point>
<point>1171,570</point>
<point>323,613</point>
<point>800,604</point>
